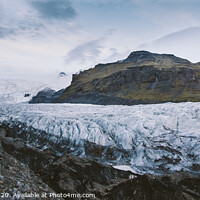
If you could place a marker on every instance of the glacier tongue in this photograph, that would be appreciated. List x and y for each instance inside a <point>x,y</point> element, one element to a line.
<point>161,137</point>
<point>15,90</point>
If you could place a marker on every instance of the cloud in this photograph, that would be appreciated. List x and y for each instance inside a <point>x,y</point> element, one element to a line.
<point>4,32</point>
<point>114,54</point>
<point>19,20</point>
<point>41,34</point>
<point>110,31</point>
<point>22,29</point>
<point>32,19</point>
<point>55,9</point>
<point>90,53</point>
<point>184,43</point>
<point>83,53</point>
<point>190,33</point>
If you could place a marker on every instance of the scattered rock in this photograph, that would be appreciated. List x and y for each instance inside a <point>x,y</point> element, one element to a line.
<point>27,95</point>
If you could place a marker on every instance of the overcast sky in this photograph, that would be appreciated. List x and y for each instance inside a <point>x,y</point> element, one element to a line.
<point>47,36</point>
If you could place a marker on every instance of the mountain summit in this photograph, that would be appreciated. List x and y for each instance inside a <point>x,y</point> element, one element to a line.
<point>143,77</point>
<point>141,56</point>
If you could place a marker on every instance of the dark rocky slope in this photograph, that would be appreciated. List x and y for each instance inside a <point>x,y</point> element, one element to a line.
<point>16,177</point>
<point>143,77</point>
<point>71,174</point>
<point>47,96</point>
<point>177,186</point>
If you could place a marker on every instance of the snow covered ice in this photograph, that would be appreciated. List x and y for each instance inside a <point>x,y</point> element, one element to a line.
<point>160,138</point>
<point>14,90</point>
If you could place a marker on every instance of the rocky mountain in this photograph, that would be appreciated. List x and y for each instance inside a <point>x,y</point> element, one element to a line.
<point>141,78</point>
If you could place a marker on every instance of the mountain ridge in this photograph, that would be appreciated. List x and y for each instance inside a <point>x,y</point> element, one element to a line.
<point>138,55</point>
<point>142,78</point>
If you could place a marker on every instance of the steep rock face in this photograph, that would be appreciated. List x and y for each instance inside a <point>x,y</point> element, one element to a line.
<point>143,77</point>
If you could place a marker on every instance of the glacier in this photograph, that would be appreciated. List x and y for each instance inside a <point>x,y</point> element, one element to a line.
<point>159,138</point>
<point>14,90</point>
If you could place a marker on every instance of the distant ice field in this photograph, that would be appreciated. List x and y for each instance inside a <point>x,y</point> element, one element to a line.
<point>17,90</point>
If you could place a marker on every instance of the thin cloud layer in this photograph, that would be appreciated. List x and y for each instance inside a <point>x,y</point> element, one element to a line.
<point>91,53</point>
<point>179,36</point>
<point>55,9</point>
<point>182,43</point>
<point>88,51</point>
<point>4,32</point>
<point>34,18</point>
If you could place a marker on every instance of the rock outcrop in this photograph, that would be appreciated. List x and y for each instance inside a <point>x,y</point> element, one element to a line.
<point>46,96</point>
